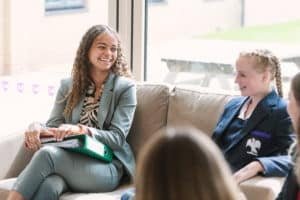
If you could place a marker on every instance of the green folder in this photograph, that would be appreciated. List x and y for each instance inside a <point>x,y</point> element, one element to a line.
<point>86,145</point>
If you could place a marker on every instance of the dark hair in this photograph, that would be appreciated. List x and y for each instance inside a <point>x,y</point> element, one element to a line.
<point>295,87</point>
<point>183,163</point>
<point>81,66</point>
<point>295,148</point>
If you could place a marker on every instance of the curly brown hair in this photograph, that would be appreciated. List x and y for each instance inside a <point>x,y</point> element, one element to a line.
<point>81,66</point>
<point>266,59</point>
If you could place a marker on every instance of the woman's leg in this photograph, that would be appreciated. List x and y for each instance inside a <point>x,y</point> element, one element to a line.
<point>51,189</point>
<point>90,175</point>
<point>81,173</point>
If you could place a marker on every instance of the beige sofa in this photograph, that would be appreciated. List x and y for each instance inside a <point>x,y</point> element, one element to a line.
<point>159,105</point>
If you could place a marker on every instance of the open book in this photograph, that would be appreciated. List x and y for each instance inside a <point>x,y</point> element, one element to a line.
<point>83,144</point>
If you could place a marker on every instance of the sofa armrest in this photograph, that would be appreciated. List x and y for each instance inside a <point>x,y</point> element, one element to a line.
<point>13,155</point>
<point>259,187</point>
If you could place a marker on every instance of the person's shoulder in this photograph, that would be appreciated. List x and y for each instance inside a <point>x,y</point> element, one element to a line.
<point>66,81</point>
<point>124,82</point>
<point>234,102</point>
<point>277,105</point>
<point>274,99</point>
<point>277,101</point>
<point>281,108</point>
<point>65,85</point>
<point>282,102</point>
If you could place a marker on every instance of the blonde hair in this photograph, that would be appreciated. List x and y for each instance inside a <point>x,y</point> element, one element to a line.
<point>183,163</point>
<point>265,59</point>
<point>81,66</point>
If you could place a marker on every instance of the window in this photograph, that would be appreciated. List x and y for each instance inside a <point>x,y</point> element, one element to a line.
<point>199,48</point>
<point>64,5</point>
<point>157,1</point>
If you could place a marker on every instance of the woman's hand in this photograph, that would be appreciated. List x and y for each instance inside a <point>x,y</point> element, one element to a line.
<point>65,130</point>
<point>248,171</point>
<point>32,135</point>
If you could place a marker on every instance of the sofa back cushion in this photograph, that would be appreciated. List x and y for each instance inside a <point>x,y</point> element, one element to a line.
<point>151,113</point>
<point>195,108</point>
<point>13,154</point>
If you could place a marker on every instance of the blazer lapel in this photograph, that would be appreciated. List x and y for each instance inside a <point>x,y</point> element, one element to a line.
<point>261,111</point>
<point>255,118</point>
<point>76,112</point>
<point>227,118</point>
<point>106,100</point>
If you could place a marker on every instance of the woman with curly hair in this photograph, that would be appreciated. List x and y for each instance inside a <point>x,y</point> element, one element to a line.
<point>99,100</point>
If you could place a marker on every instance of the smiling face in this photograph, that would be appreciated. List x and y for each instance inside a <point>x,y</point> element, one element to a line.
<point>103,52</point>
<point>251,82</point>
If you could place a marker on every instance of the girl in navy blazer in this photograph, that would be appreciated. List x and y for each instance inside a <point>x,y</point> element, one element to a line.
<point>291,187</point>
<point>98,100</point>
<point>254,131</point>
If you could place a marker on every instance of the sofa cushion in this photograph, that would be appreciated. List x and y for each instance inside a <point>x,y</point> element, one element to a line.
<point>6,185</point>
<point>255,188</point>
<point>199,109</point>
<point>14,154</point>
<point>259,187</point>
<point>3,194</point>
<point>151,113</point>
<point>115,195</point>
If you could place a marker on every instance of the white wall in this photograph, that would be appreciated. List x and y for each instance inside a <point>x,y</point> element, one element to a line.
<point>48,42</point>
<point>1,35</point>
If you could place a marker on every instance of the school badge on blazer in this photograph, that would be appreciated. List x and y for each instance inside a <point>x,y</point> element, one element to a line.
<point>253,146</point>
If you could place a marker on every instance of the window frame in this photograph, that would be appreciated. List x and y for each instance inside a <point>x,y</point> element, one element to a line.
<point>131,27</point>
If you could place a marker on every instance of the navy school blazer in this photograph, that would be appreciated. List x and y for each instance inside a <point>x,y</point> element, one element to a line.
<point>266,136</point>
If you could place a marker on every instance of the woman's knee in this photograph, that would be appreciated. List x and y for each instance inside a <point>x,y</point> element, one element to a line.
<point>47,152</point>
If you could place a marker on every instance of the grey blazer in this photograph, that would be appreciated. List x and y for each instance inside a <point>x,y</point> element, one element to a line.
<point>116,111</point>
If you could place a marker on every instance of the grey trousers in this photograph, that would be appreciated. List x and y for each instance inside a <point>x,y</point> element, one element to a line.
<point>53,171</point>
